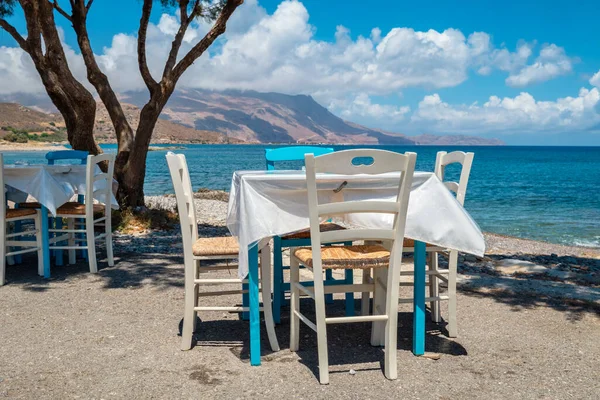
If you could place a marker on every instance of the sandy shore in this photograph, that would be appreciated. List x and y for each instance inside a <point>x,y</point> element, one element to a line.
<point>30,146</point>
<point>115,334</point>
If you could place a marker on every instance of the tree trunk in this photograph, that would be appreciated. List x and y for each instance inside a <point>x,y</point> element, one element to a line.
<point>131,179</point>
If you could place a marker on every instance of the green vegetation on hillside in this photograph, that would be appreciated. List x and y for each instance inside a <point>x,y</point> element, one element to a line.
<point>23,136</point>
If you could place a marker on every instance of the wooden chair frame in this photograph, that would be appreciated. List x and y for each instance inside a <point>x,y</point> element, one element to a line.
<point>434,274</point>
<point>14,240</point>
<point>386,283</point>
<point>193,267</point>
<point>280,287</point>
<point>73,233</point>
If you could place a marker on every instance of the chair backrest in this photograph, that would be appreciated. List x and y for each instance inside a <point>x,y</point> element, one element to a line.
<point>292,153</point>
<point>3,203</point>
<point>344,162</point>
<point>103,181</point>
<point>465,160</point>
<point>53,156</point>
<point>182,184</point>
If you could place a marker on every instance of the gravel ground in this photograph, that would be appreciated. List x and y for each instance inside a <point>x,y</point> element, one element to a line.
<point>115,334</point>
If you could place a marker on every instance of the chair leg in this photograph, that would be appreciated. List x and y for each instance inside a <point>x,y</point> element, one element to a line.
<point>38,241</point>
<point>265,275</point>
<point>294,305</point>
<point>321,329</point>
<point>349,280</point>
<point>391,326</point>
<point>453,267</point>
<point>377,328</point>
<point>18,259</point>
<point>72,242</point>
<point>108,241</point>
<point>3,252</point>
<point>365,300</point>
<point>58,224</point>
<point>434,287</point>
<point>190,298</point>
<point>329,277</point>
<point>91,243</point>
<point>278,292</point>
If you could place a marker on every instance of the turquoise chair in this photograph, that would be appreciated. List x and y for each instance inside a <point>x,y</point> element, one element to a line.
<point>52,157</point>
<point>73,155</point>
<point>296,153</point>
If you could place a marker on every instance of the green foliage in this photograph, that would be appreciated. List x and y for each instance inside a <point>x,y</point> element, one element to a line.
<point>6,7</point>
<point>210,9</point>
<point>16,138</point>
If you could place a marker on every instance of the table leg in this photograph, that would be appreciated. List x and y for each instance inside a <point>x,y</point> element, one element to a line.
<point>419,300</point>
<point>254,305</point>
<point>45,242</point>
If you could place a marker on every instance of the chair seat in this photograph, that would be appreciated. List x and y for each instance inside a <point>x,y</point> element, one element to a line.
<point>305,233</point>
<point>30,204</point>
<point>347,257</point>
<point>19,212</point>
<point>216,246</point>
<point>73,208</point>
<point>411,243</point>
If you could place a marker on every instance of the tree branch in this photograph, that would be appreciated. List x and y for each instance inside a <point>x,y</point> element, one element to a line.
<point>89,5</point>
<point>217,30</point>
<point>176,44</point>
<point>141,47</point>
<point>61,11</point>
<point>13,32</point>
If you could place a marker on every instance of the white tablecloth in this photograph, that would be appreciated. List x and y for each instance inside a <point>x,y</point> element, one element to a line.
<point>267,203</point>
<point>50,185</point>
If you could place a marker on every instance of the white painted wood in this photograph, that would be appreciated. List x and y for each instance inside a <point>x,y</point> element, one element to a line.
<point>365,296</point>
<point>192,265</point>
<point>436,275</point>
<point>96,186</point>
<point>22,246</point>
<point>295,303</point>
<point>345,162</point>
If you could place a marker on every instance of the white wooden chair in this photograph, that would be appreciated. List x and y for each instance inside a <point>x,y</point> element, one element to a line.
<point>434,274</point>
<point>197,250</point>
<point>7,241</point>
<point>95,215</point>
<point>387,264</point>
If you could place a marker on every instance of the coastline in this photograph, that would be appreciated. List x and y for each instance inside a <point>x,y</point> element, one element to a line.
<point>31,146</point>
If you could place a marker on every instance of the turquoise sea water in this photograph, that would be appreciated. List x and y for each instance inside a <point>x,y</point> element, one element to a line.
<point>544,193</point>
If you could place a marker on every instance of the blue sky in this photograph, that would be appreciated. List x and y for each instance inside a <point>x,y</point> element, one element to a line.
<point>523,71</point>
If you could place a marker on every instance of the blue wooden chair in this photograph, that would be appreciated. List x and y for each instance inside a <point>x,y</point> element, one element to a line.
<point>301,239</point>
<point>52,157</point>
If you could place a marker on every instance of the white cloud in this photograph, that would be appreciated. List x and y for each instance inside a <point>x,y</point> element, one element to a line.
<point>522,114</point>
<point>279,52</point>
<point>595,80</point>
<point>362,107</point>
<point>551,63</point>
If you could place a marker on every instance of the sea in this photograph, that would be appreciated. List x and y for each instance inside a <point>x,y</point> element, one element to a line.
<point>543,193</point>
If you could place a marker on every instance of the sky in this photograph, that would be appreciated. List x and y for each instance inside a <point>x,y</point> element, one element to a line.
<point>527,72</point>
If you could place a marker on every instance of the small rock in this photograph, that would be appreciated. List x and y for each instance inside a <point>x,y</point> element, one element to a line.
<point>511,266</point>
<point>558,274</point>
<point>352,372</point>
<point>432,356</point>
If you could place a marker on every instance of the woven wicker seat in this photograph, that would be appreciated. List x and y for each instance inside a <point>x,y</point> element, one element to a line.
<point>347,257</point>
<point>305,233</point>
<point>19,212</point>
<point>31,204</point>
<point>73,208</point>
<point>216,246</point>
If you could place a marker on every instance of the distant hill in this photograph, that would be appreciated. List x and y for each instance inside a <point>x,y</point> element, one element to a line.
<point>233,116</point>
<point>15,117</point>
<point>279,118</point>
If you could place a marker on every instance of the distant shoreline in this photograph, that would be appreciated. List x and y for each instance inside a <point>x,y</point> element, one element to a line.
<point>33,146</point>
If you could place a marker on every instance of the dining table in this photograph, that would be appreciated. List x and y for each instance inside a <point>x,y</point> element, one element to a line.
<point>51,186</point>
<point>263,204</point>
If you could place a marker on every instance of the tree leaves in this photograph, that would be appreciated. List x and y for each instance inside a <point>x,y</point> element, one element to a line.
<point>6,7</point>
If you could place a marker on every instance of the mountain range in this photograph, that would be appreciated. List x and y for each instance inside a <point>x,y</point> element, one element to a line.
<point>232,116</point>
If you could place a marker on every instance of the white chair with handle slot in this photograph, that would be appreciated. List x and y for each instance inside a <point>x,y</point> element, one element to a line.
<point>387,264</point>
<point>196,251</point>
